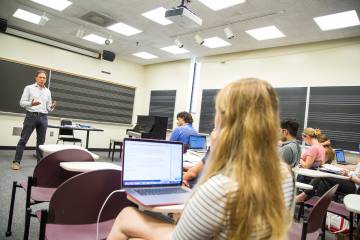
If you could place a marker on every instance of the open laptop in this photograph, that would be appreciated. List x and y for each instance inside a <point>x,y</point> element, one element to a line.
<point>340,157</point>
<point>152,172</point>
<point>197,143</point>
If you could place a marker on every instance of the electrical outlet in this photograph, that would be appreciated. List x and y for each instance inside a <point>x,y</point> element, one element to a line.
<point>51,133</point>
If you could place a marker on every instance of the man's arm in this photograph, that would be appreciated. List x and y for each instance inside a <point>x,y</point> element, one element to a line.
<point>175,135</point>
<point>50,104</point>
<point>25,100</point>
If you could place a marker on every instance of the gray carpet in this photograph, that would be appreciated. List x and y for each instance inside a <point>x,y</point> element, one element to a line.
<point>7,176</point>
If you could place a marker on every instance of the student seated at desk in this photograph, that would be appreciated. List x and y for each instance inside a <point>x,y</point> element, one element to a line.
<point>322,185</point>
<point>184,130</point>
<point>290,149</point>
<point>314,156</point>
<point>329,151</point>
<point>245,192</point>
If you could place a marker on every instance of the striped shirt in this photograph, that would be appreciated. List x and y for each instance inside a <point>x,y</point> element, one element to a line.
<point>204,214</point>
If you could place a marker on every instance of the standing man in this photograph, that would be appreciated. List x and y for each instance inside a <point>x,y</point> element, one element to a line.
<point>184,130</point>
<point>36,99</point>
<point>290,148</point>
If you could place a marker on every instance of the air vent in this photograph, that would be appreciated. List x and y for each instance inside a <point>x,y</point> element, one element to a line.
<point>98,19</point>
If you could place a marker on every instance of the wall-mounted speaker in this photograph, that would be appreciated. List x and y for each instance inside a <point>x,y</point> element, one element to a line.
<point>108,56</point>
<point>3,25</point>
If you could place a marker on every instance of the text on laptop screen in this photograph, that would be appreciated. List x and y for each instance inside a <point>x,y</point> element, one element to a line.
<point>340,157</point>
<point>197,142</point>
<point>152,163</point>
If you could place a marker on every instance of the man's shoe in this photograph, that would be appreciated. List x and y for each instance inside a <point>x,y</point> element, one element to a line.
<point>15,166</point>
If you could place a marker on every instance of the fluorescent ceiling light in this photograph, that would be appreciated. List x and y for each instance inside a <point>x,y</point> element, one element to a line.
<point>215,42</point>
<point>144,55</point>
<point>95,38</point>
<point>27,16</point>
<point>174,49</point>
<point>265,33</point>
<point>337,20</point>
<point>157,15</point>
<point>124,29</point>
<point>220,4</point>
<point>59,5</point>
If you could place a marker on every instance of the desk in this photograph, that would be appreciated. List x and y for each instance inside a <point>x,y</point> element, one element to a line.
<point>352,204</point>
<point>159,209</point>
<point>88,166</point>
<point>50,148</point>
<point>87,129</point>
<point>316,173</point>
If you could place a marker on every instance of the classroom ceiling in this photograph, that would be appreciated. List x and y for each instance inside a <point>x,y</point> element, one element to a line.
<point>294,18</point>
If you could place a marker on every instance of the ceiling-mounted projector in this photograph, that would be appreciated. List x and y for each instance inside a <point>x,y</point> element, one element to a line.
<point>183,17</point>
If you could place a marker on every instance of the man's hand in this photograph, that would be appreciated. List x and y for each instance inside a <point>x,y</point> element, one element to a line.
<point>53,105</point>
<point>35,102</point>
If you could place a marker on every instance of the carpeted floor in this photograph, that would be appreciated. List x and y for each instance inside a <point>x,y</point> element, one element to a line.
<point>7,176</point>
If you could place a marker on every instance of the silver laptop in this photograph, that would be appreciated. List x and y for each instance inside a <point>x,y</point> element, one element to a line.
<point>197,143</point>
<point>152,172</point>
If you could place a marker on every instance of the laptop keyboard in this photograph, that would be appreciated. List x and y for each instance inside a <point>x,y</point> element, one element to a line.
<point>160,191</point>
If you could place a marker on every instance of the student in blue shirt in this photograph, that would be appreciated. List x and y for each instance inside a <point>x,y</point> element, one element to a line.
<point>184,130</point>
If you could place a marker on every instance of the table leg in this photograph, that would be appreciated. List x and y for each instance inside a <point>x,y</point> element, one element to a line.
<point>87,139</point>
<point>350,225</point>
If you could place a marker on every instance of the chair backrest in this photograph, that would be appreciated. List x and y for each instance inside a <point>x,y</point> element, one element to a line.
<point>64,131</point>
<point>318,213</point>
<point>48,173</point>
<point>79,199</point>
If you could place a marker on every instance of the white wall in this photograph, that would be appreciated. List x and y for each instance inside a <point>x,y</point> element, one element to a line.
<point>331,63</point>
<point>122,72</point>
<point>169,76</point>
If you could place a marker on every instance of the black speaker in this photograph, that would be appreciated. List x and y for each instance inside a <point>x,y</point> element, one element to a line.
<point>108,56</point>
<point>3,25</point>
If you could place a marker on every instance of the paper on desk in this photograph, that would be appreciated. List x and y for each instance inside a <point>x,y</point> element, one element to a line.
<point>191,158</point>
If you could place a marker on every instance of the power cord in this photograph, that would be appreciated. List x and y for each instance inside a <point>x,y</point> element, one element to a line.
<point>101,209</point>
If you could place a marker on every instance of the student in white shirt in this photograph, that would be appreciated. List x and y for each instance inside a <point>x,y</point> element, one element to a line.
<point>245,191</point>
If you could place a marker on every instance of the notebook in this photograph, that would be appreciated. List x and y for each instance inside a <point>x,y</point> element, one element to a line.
<point>197,143</point>
<point>340,157</point>
<point>152,172</point>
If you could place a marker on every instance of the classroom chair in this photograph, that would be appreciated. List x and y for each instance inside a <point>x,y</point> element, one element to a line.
<point>67,134</point>
<point>336,208</point>
<point>47,176</point>
<point>315,221</point>
<point>72,214</point>
<point>112,145</point>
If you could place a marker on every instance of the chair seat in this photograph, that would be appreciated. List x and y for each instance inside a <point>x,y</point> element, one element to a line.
<point>78,232</point>
<point>41,194</point>
<point>296,230</point>
<point>334,207</point>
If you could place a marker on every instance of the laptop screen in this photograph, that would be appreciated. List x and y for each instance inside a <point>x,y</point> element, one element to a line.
<point>340,156</point>
<point>151,163</point>
<point>197,142</point>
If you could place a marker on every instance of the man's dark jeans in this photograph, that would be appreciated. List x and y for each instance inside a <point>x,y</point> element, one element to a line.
<point>33,120</point>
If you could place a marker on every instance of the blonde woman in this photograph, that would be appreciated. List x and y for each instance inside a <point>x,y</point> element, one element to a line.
<point>314,156</point>
<point>245,191</point>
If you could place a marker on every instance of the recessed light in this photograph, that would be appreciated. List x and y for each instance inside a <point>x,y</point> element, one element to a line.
<point>337,20</point>
<point>124,29</point>
<point>218,5</point>
<point>95,38</point>
<point>59,5</point>
<point>145,55</point>
<point>174,49</point>
<point>265,33</point>
<point>215,42</point>
<point>157,15</point>
<point>27,16</point>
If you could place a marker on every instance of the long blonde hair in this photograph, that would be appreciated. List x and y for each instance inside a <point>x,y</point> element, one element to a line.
<point>246,151</point>
<point>312,132</point>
